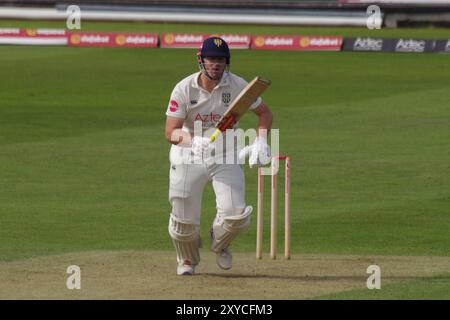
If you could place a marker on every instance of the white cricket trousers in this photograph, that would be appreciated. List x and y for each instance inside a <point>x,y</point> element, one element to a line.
<point>187,182</point>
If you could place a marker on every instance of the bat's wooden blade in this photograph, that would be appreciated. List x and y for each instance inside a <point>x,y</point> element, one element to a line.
<point>241,104</point>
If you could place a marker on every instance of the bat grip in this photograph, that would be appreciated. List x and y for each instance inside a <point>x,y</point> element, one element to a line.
<point>229,121</point>
<point>215,134</point>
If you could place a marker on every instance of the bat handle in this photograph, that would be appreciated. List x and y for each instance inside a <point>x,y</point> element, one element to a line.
<point>215,134</point>
<point>227,123</point>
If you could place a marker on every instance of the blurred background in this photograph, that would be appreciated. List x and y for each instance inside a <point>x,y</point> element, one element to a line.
<point>360,93</point>
<point>395,13</point>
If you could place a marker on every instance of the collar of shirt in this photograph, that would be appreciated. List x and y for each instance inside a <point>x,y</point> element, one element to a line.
<point>225,81</point>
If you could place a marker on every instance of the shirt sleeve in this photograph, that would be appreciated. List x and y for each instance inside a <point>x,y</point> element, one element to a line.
<point>256,103</point>
<point>177,105</point>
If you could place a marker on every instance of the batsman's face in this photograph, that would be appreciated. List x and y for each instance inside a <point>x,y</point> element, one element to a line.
<point>215,66</point>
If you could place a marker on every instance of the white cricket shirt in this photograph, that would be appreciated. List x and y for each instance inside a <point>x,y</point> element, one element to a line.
<point>191,102</point>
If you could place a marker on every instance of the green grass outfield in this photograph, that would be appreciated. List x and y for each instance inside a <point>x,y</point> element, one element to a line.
<point>435,287</point>
<point>84,163</point>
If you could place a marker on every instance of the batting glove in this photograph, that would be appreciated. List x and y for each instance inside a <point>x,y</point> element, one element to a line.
<point>259,152</point>
<point>200,145</point>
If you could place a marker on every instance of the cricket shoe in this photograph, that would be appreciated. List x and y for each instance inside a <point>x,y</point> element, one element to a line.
<point>224,258</point>
<point>185,268</point>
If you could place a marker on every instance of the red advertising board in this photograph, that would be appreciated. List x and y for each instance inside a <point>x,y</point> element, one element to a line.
<point>33,36</point>
<point>10,32</point>
<point>32,32</point>
<point>168,40</point>
<point>306,43</point>
<point>194,40</point>
<point>45,33</point>
<point>109,39</point>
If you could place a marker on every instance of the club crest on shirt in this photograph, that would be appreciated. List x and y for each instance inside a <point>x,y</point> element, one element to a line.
<point>226,98</point>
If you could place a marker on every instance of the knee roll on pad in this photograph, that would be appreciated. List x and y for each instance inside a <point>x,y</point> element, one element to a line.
<point>225,229</point>
<point>186,239</point>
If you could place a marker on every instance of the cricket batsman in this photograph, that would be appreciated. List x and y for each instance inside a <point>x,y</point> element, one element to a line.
<point>204,96</point>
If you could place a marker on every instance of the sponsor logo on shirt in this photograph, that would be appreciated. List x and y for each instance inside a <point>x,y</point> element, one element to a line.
<point>210,117</point>
<point>173,106</point>
<point>208,120</point>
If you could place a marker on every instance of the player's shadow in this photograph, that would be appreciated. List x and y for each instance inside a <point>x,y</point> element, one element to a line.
<point>302,277</point>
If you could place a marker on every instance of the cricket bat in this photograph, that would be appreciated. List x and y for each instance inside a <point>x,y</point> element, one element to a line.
<point>241,104</point>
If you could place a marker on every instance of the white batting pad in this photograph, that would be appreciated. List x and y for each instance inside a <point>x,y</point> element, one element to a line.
<point>186,239</point>
<point>225,229</point>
